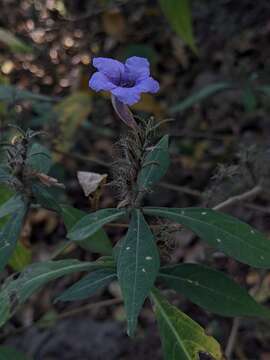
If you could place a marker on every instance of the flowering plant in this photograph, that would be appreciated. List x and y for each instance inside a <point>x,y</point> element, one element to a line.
<point>126,82</point>
<point>137,260</point>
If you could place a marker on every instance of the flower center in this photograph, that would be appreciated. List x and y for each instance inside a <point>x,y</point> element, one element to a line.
<point>127,83</point>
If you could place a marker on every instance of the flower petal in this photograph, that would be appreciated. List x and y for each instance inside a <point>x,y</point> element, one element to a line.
<point>148,85</point>
<point>137,68</point>
<point>111,68</point>
<point>99,82</point>
<point>128,96</point>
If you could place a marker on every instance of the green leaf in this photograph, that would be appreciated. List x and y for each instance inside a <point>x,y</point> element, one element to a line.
<point>117,248</point>
<point>137,267</point>
<point>91,223</point>
<point>38,274</point>
<point>48,320</point>
<point>182,338</point>
<point>16,45</point>
<point>226,233</point>
<point>5,194</point>
<point>155,165</point>
<point>9,235</point>
<point>8,353</point>
<point>21,257</point>
<point>99,242</point>
<point>142,50</point>
<point>11,93</point>
<point>12,205</point>
<point>212,290</point>
<point>201,95</point>
<point>72,112</point>
<point>15,292</point>
<point>5,176</point>
<point>249,99</point>
<point>179,16</point>
<point>39,158</point>
<point>45,197</point>
<point>88,285</point>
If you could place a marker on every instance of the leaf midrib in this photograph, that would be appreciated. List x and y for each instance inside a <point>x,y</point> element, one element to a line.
<point>174,331</point>
<point>136,264</point>
<point>94,224</point>
<point>216,227</point>
<point>146,178</point>
<point>38,278</point>
<point>200,285</point>
<point>92,283</point>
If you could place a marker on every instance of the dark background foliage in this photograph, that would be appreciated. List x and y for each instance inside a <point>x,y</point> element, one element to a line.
<point>219,148</point>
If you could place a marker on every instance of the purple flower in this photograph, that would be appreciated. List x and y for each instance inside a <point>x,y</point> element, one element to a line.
<point>125,81</point>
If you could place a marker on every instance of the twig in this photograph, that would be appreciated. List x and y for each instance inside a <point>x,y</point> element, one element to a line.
<point>181,189</point>
<point>258,208</point>
<point>63,315</point>
<point>199,135</point>
<point>91,306</point>
<point>238,198</point>
<point>232,337</point>
<point>83,158</point>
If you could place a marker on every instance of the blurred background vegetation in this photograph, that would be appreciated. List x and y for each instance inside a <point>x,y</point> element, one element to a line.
<point>212,60</point>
